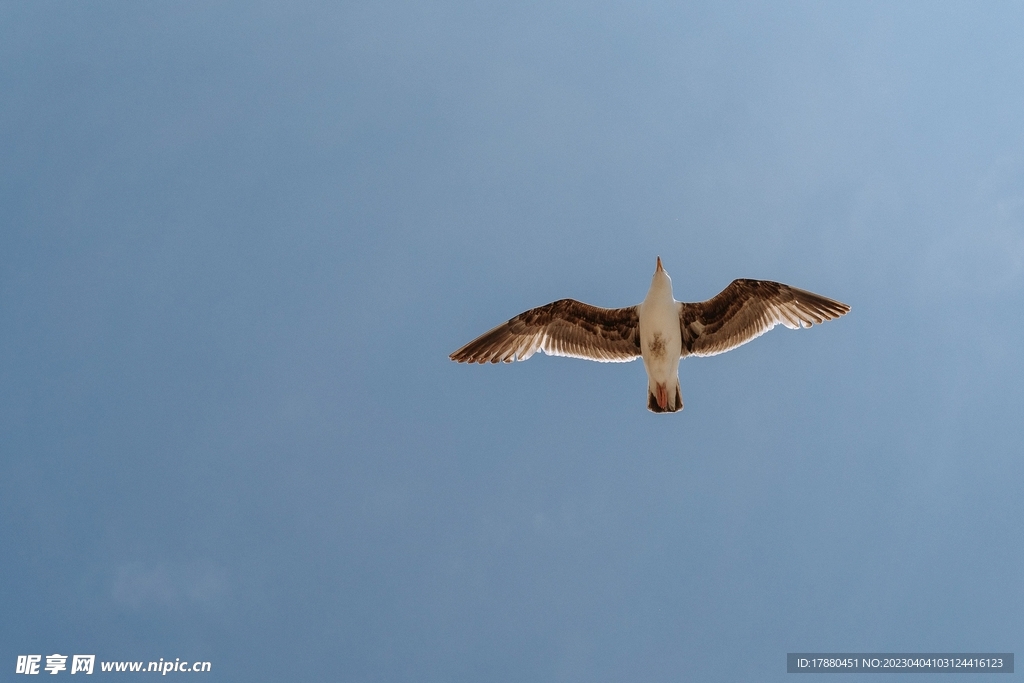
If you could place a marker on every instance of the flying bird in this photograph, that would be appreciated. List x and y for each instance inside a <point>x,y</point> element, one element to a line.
<point>660,330</point>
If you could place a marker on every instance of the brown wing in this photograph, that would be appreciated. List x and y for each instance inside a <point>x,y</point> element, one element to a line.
<point>745,310</point>
<point>563,328</point>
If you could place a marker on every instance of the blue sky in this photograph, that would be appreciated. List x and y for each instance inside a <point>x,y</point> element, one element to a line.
<point>238,242</point>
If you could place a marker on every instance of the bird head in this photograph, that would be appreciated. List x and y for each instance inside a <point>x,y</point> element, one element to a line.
<point>661,280</point>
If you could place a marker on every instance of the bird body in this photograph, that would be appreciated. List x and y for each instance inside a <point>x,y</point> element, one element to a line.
<point>660,329</point>
<point>661,344</point>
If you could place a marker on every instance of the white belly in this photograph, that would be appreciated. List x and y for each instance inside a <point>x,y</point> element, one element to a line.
<point>660,339</point>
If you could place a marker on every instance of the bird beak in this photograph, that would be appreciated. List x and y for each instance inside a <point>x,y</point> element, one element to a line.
<point>659,265</point>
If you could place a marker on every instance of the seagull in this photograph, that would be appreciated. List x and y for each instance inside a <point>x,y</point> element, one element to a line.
<point>660,329</point>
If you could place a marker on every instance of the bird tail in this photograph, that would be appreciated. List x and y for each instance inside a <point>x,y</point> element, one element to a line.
<point>662,399</point>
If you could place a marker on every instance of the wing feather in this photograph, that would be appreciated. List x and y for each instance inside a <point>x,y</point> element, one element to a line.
<point>745,310</point>
<point>562,328</point>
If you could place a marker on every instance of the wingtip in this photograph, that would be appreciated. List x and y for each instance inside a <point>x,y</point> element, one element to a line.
<point>839,309</point>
